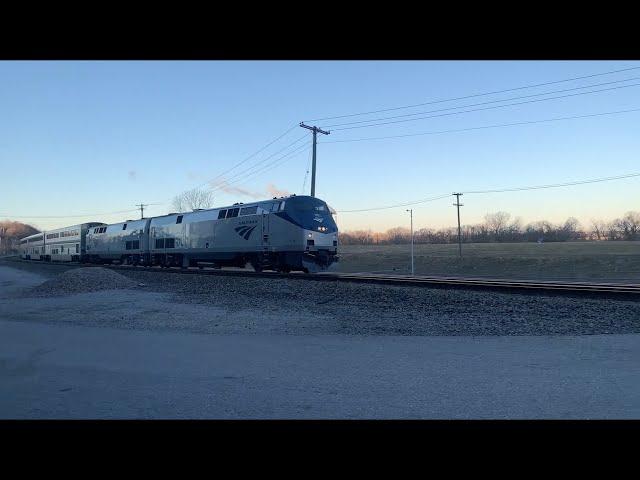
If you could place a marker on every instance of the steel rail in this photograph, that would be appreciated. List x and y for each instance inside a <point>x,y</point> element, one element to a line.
<point>630,290</point>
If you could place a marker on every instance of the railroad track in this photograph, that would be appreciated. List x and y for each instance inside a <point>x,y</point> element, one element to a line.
<point>608,289</point>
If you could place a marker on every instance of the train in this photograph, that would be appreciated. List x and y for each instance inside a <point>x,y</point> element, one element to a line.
<point>284,234</point>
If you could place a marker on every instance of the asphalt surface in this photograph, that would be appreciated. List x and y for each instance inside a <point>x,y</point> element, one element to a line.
<point>56,371</point>
<point>155,352</point>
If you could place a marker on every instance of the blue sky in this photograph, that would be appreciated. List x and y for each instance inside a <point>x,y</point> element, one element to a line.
<point>93,137</point>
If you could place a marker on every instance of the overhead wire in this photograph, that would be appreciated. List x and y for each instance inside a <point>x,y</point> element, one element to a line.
<point>248,170</point>
<point>431,199</point>
<point>439,132</point>
<point>69,216</point>
<point>555,185</point>
<point>251,156</point>
<point>486,108</point>
<point>484,103</point>
<point>473,96</point>
<point>277,162</point>
<point>502,190</point>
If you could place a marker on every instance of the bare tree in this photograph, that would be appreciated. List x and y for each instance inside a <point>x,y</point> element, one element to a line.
<point>192,200</point>
<point>497,222</point>
<point>569,231</point>
<point>599,229</point>
<point>628,226</point>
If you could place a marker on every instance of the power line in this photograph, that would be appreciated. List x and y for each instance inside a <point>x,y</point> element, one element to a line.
<point>239,174</point>
<point>473,96</point>
<point>266,167</point>
<point>488,108</point>
<point>485,103</point>
<point>277,162</point>
<point>432,199</point>
<point>555,185</point>
<point>68,216</point>
<point>251,156</point>
<point>484,127</point>
<point>536,187</point>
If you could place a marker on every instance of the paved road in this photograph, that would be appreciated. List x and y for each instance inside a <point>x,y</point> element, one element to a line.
<point>50,371</point>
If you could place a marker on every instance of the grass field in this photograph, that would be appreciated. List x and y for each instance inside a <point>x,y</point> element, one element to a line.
<point>603,261</point>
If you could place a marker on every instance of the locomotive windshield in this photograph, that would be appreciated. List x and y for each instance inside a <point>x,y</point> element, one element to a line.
<point>310,213</point>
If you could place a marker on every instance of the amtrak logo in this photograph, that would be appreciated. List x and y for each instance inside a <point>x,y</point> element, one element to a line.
<point>245,231</point>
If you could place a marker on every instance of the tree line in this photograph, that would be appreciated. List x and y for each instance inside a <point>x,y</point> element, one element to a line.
<point>500,227</point>
<point>10,235</point>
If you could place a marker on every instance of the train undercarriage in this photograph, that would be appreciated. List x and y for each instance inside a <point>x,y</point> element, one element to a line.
<point>308,262</point>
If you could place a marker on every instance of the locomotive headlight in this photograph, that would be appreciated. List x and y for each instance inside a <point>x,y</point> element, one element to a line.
<point>310,235</point>
<point>322,228</point>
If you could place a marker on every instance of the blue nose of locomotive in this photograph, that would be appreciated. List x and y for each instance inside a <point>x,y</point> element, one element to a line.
<point>310,213</point>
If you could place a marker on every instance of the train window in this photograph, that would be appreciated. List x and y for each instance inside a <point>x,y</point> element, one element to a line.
<point>222,214</point>
<point>281,206</point>
<point>159,242</point>
<point>179,219</point>
<point>170,243</point>
<point>232,212</point>
<point>249,210</point>
<point>275,206</point>
<point>124,227</point>
<point>77,248</point>
<point>136,245</point>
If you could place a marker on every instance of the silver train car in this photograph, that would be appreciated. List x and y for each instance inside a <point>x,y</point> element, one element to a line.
<point>126,242</point>
<point>66,244</point>
<point>32,247</point>
<point>283,234</point>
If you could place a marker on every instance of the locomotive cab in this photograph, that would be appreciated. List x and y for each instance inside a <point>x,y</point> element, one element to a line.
<point>319,230</point>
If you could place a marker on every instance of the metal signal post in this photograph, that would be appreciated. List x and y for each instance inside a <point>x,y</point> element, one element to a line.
<point>315,131</point>
<point>458,204</point>
<point>411,213</point>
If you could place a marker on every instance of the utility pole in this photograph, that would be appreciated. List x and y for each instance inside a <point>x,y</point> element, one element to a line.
<point>315,131</point>
<point>141,206</point>
<point>458,204</point>
<point>411,213</point>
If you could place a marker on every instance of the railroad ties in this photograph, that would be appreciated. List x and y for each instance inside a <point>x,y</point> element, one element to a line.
<point>627,291</point>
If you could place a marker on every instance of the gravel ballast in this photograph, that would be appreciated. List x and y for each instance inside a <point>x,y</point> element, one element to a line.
<point>81,280</point>
<point>230,304</point>
<point>364,309</point>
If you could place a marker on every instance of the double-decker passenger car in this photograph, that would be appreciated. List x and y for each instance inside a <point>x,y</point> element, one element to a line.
<point>32,247</point>
<point>67,244</point>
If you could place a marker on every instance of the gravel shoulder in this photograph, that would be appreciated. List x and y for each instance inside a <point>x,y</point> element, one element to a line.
<point>231,305</point>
